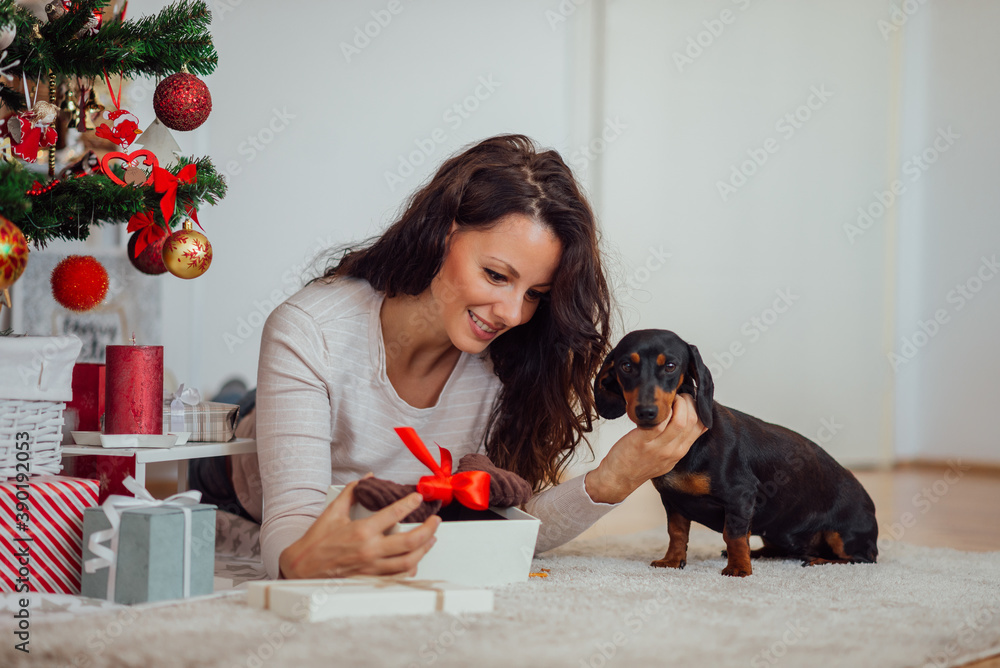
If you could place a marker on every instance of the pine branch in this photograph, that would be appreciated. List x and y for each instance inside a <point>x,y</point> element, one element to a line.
<point>64,30</point>
<point>157,45</point>
<point>175,38</point>
<point>11,98</point>
<point>14,182</point>
<point>7,12</point>
<point>71,207</point>
<point>24,23</point>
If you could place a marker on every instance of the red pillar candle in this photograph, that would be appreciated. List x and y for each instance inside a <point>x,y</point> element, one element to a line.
<point>88,403</point>
<point>88,396</point>
<point>133,398</point>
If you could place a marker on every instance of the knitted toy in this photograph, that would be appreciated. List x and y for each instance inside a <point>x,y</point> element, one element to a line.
<point>375,494</point>
<point>506,489</point>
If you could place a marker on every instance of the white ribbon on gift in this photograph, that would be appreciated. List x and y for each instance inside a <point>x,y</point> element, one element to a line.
<point>190,396</point>
<point>106,556</point>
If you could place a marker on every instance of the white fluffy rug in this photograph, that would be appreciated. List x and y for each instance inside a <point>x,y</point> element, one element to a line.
<point>601,605</point>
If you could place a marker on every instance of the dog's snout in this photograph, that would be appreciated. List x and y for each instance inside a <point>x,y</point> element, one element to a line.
<point>646,413</point>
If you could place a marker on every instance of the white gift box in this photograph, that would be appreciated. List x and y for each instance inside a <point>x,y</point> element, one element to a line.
<point>476,553</point>
<point>38,368</point>
<point>36,379</point>
<point>316,600</point>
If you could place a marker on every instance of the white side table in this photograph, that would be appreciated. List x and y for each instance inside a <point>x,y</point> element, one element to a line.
<point>179,453</point>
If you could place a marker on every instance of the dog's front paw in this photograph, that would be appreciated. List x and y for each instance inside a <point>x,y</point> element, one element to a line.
<point>670,562</point>
<point>737,570</point>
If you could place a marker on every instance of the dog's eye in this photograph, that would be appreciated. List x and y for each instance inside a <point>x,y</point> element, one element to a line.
<point>625,367</point>
<point>670,366</point>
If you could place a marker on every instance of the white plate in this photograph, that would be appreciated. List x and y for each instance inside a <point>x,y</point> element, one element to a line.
<point>131,440</point>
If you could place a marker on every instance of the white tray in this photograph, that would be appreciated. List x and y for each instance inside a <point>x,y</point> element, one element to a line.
<point>131,440</point>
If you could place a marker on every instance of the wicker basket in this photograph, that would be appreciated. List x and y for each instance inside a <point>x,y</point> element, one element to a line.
<point>35,383</point>
<point>30,437</point>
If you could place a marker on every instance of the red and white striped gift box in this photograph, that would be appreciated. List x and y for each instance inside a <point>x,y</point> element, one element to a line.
<point>49,527</point>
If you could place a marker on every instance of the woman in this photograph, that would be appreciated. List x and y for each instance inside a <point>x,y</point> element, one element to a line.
<point>480,319</point>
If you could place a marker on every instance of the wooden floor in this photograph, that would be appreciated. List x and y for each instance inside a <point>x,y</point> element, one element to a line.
<point>926,504</point>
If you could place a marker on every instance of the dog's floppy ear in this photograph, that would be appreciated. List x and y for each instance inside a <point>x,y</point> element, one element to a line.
<point>608,391</point>
<point>706,388</point>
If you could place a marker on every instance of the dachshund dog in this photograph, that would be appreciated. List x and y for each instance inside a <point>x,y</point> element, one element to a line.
<point>743,476</point>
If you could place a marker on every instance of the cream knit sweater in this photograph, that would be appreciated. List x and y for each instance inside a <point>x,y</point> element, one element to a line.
<point>326,411</point>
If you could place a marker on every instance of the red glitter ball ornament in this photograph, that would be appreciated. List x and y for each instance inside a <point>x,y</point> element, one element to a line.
<point>182,101</point>
<point>79,282</point>
<point>150,260</point>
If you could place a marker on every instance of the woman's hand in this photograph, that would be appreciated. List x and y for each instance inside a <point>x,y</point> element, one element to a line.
<point>336,546</point>
<point>643,454</point>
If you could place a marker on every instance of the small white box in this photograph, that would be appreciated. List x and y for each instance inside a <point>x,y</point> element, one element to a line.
<point>476,553</point>
<point>36,379</point>
<point>316,600</point>
<point>38,368</point>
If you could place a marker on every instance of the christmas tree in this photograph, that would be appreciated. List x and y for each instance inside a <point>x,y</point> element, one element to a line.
<point>49,68</point>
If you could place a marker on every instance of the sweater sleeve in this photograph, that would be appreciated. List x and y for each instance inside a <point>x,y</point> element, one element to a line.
<point>293,429</point>
<point>566,511</point>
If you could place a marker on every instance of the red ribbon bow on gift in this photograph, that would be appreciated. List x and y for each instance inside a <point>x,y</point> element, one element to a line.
<point>470,488</point>
<point>166,183</point>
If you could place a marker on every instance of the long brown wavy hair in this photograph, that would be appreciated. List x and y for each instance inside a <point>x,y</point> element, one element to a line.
<point>547,364</point>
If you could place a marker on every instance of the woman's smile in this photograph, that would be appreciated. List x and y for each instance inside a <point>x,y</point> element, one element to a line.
<point>481,329</point>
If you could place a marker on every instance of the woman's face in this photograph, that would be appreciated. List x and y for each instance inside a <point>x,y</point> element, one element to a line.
<point>492,280</point>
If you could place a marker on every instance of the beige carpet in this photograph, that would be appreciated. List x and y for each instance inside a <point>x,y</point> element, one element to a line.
<point>601,605</point>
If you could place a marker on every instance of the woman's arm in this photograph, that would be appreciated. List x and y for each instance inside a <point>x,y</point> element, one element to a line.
<point>293,429</point>
<point>569,508</point>
<point>294,434</point>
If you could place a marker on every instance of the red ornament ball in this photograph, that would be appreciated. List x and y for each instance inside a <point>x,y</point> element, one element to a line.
<point>182,101</point>
<point>79,282</point>
<point>150,260</point>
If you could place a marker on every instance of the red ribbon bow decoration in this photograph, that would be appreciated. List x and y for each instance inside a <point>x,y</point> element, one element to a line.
<point>470,488</point>
<point>151,232</point>
<point>166,183</point>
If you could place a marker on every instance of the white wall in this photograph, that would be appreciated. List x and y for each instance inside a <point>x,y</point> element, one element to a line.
<point>327,132</point>
<point>893,338</point>
<point>947,390</point>
<point>569,71</point>
<point>772,247</point>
